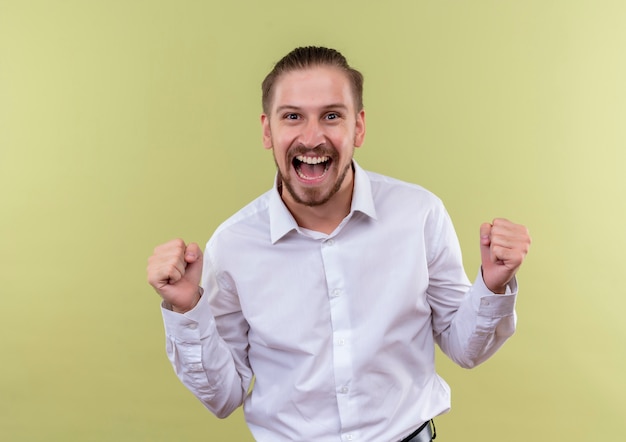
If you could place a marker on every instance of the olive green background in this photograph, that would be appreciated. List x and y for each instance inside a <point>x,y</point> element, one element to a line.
<point>126,123</point>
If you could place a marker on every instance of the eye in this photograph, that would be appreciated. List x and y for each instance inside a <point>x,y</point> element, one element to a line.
<point>332,116</point>
<point>291,116</point>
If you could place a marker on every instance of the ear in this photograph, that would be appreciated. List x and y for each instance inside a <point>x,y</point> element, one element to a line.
<point>267,133</point>
<point>359,134</point>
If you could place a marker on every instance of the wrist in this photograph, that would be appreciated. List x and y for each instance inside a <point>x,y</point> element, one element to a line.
<point>495,287</point>
<point>498,290</point>
<point>191,305</point>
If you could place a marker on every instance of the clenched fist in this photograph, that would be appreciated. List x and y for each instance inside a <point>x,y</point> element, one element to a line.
<point>503,247</point>
<point>174,270</point>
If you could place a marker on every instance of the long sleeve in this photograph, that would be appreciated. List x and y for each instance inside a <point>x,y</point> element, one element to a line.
<point>207,365</point>
<point>470,323</point>
<point>482,324</point>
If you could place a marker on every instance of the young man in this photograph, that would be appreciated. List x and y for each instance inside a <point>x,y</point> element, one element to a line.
<point>332,288</point>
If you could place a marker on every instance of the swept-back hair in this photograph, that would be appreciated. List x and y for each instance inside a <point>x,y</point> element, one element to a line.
<point>308,57</point>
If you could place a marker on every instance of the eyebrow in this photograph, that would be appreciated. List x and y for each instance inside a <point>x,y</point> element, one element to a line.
<point>287,107</point>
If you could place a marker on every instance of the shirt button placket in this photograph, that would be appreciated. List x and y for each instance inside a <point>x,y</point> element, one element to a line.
<point>341,329</point>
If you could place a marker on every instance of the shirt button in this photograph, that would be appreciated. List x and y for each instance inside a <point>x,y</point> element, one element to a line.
<point>193,326</point>
<point>335,293</point>
<point>349,437</point>
<point>343,390</point>
<point>330,242</point>
<point>341,342</point>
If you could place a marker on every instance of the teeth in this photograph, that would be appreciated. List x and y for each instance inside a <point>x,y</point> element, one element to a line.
<point>311,160</point>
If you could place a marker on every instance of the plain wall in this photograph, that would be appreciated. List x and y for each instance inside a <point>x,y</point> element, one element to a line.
<point>126,123</point>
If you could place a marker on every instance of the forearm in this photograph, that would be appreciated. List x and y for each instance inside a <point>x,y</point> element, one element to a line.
<point>203,361</point>
<point>480,326</point>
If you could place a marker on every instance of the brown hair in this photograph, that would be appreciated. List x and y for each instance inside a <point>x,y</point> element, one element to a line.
<point>307,57</point>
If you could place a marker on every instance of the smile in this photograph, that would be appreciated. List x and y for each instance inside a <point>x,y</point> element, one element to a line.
<point>311,168</point>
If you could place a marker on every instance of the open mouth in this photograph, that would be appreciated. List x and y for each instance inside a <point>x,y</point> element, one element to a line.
<point>311,168</point>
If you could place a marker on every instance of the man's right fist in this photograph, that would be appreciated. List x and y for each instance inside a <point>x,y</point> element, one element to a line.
<point>174,270</point>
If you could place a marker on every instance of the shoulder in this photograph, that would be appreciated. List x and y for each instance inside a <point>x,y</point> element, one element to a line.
<point>252,220</point>
<point>396,191</point>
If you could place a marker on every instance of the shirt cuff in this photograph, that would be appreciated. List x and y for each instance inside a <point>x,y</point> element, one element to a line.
<point>487,303</point>
<point>192,326</point>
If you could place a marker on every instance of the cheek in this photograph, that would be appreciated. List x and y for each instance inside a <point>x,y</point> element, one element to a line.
<point>280,148</point>
<point>342,139</point>
<point>283,140</point>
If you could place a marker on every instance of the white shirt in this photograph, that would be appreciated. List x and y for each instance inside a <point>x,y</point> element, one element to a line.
<point>338,330</point>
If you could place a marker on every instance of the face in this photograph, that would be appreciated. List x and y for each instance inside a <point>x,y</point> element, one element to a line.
<point>312,128</point>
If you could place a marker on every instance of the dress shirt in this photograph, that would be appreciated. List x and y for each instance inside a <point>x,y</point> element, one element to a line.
<point>337,330</point>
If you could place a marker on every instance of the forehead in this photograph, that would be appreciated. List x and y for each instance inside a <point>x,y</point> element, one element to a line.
<point>318,86</point>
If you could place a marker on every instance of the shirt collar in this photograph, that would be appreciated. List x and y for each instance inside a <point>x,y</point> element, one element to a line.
<point>282,222</point>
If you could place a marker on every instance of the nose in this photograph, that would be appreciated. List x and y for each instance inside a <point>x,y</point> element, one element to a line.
<point>312,134</point>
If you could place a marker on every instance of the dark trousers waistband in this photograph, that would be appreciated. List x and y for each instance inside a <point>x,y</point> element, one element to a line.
<point>425,433</point>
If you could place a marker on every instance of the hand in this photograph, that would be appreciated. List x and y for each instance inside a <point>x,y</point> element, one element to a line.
<point>174,270</point>
<point>503,247</point>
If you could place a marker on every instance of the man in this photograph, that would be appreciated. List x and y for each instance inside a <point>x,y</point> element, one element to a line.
<point>332,288</point>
